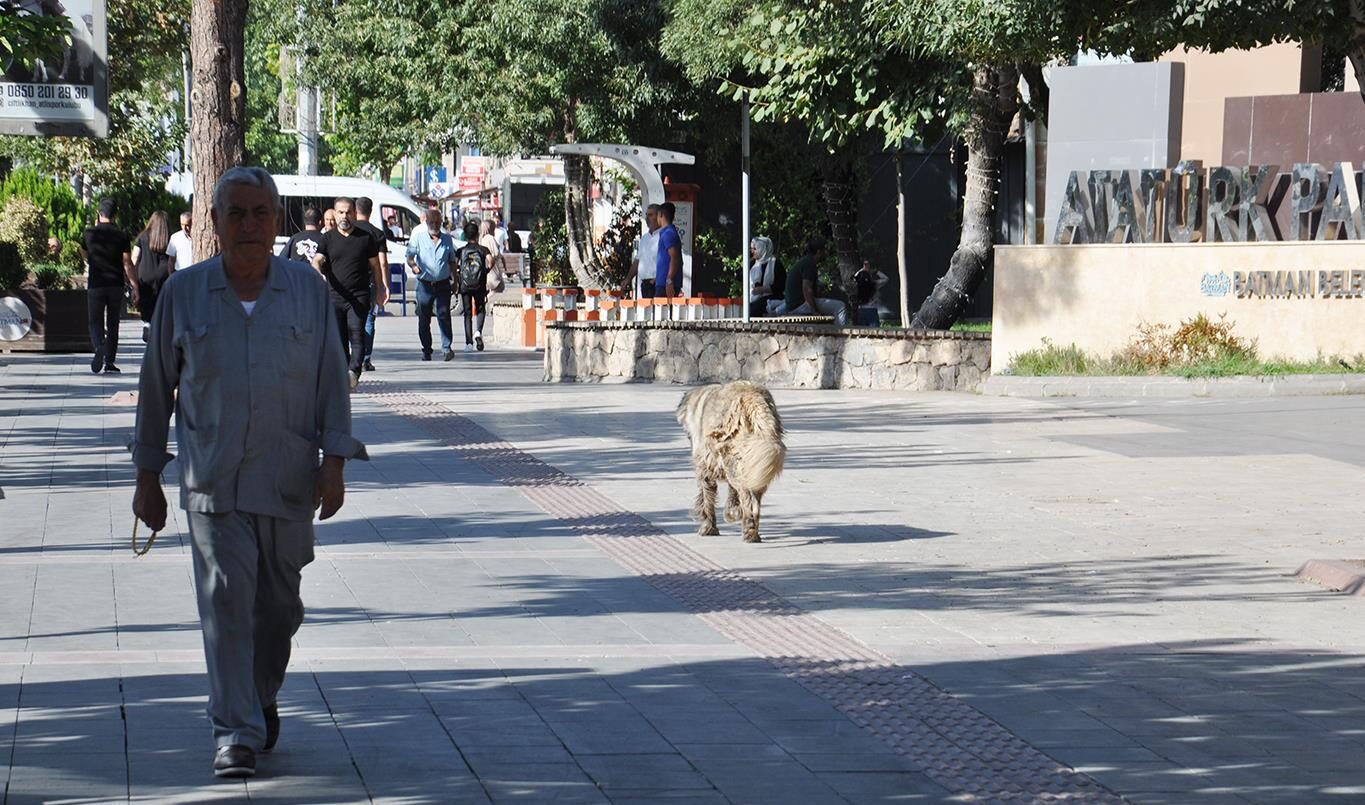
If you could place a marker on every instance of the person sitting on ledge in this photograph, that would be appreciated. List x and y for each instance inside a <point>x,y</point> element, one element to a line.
<point>801,284</point>
<point>867,284</point>
<point>767,277</point>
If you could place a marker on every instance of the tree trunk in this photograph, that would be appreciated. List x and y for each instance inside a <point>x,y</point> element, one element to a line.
<point>578,219</point>
<point>578,205</point>
<point>993,102</point>
<point>1356,49</point>
<point>217,103</point>
<point>841,210</point>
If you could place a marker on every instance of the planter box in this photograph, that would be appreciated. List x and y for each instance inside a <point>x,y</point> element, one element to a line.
<point>58,322</point>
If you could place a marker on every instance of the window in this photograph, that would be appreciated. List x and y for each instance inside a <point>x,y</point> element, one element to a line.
<point>403,218</point>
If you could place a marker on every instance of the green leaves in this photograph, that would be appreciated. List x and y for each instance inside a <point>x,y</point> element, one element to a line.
<point>26,37</point>
<point>811,62</point>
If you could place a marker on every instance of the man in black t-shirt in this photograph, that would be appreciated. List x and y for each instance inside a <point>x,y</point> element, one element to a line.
<point>108,251</point>
<point>303,247</point>
<point>349,260</point>
<point>363,208</point>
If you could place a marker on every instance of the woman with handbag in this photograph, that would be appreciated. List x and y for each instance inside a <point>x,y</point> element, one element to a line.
<point>153,263</point>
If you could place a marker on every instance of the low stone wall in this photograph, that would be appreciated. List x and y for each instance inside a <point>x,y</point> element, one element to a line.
<point>502,327</point>
<point>791,356</point>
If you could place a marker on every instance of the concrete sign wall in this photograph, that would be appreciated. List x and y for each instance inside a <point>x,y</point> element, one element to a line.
<point>1296,300</point>
<point>1110,117</point>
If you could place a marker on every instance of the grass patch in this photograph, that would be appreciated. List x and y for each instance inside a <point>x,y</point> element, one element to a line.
<point>1199,347</point>
<point>1054,360</point>
<point>971,327</point>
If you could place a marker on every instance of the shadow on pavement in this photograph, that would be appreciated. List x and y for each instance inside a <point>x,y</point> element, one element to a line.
<point>1179,723</point>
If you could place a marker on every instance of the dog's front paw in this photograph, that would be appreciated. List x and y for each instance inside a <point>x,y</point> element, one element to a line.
<point>752,538</point>
<point>708,530</point>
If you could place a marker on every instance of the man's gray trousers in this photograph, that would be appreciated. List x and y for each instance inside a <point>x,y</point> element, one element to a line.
<point>246,572</point>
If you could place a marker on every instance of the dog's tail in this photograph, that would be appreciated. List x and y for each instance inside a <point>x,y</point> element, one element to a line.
<point>760,449</point>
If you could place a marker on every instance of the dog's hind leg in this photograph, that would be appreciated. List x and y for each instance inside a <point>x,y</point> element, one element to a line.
<point>706,506</point>
<point>732,507</point>
<point>749,503</point>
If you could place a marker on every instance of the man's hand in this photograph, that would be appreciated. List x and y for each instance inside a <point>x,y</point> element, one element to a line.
<point>330,491</point>
<point>668,288</point>
<point>415,269</point>
<point>149,502</point>
<point>133,294</point>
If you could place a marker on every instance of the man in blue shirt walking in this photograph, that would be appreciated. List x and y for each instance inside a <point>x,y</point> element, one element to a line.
<point>668,267</point>
<point>430,254</point>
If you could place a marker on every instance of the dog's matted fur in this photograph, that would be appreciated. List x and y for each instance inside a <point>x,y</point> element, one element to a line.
<point>736,437</point>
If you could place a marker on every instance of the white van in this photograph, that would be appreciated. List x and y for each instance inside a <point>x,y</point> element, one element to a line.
<point>301,192</point>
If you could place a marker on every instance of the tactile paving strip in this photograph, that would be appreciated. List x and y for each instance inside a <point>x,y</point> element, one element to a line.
<point>954,744</point>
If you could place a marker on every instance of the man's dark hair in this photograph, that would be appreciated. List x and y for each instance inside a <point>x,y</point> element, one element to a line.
<point>815,245</point>
<point>668,209</point>
<point>108,207</point>
<point>312,217</point>
<point>346,199</point>
<point>471,232</point>
<point>363,206</point>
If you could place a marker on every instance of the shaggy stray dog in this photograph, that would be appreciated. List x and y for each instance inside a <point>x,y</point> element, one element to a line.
<point>736,437</point>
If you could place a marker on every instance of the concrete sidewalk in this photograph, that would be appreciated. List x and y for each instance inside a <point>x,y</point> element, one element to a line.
<point>958,596</point>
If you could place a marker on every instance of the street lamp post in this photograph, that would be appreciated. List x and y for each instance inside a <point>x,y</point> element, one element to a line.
<point>744,201</point>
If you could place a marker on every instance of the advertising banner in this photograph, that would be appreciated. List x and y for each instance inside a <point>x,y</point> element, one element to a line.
<point>66,97</point>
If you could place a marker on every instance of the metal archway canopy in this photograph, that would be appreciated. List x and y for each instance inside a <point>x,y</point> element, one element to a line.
<point>641,161</point>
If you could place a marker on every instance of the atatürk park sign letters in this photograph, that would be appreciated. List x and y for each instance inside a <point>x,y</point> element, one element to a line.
<point>1279,252</point>
<point>1156,205</point>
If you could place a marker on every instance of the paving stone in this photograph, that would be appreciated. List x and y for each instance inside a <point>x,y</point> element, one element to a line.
<point>669,772</point>
<point>884,786</point>
<point>1105,581</point>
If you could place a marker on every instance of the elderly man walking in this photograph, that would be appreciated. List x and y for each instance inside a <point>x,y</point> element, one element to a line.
<point>244,350</point>
<point>430,255</point>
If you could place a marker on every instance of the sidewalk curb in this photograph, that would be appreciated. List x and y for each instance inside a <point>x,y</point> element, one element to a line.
<point>1338,575</point>
<point>1174,387</point>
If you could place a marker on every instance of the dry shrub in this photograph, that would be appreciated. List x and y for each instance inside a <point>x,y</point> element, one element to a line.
<point>1194,341</point>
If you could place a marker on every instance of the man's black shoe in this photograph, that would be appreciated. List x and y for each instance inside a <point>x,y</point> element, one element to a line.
<point>478,342</point>
<point>234,761</point>
<point>369,367</point>
<point>111,369</point>
<point>98,360</point>
<point>450,354</point>
<point>426,356</point>
<point>272,727</point>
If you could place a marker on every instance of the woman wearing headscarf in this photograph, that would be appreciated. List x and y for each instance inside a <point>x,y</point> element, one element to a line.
<point>154,265</point>
<point>767,278</point>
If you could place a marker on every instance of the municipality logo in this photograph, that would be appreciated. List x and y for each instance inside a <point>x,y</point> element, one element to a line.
<point>15,319</point>
<point>1215,284</point>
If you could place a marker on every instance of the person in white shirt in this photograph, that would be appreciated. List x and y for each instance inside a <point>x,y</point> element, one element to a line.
<point>646,255</point>
<point>500,235</point>
<point>180,246</point>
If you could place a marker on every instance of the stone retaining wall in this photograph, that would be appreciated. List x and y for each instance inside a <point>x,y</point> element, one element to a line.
<point>502,327</point>
<point>792,356</point>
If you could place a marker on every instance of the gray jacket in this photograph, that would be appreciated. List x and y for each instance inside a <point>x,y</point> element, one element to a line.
<point>255,397</point>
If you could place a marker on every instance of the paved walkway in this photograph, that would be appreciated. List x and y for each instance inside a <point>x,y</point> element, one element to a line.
<point>960,599</point>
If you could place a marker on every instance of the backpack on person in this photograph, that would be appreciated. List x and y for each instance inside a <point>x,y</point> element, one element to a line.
<point>471,270</point>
